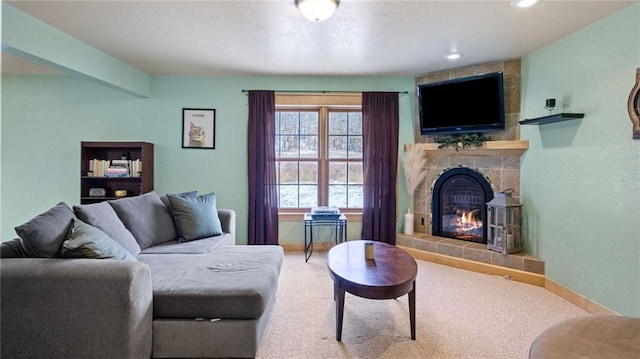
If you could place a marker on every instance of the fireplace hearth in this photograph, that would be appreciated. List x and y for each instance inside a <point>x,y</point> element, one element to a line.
<point>459,207</point>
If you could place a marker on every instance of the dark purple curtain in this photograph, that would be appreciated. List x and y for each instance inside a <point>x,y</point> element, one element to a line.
<point>263,199</point>
<point>380,160</point>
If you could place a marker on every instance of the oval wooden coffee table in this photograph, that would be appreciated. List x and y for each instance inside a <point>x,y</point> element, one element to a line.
<point>391,274</point>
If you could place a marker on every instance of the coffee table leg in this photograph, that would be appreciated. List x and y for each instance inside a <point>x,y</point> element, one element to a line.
<point>338,296</point>
<point>412,310</point>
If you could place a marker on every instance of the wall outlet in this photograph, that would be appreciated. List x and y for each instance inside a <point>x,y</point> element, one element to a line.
<point>420,222</point>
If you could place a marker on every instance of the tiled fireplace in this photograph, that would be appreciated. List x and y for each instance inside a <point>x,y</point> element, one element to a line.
<point>492,168</point>
<point>502,171</point>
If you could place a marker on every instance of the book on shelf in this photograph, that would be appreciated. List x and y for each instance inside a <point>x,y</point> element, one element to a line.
<point>115,168</point>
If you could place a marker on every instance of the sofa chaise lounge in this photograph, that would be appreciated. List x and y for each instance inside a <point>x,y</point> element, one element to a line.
<point>170,284</point>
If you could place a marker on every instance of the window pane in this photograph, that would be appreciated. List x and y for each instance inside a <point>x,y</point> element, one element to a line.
<point>337,123</point>
<point>338,196</point>
<point>308,196</point>
<point>309,173</point>
<point>287,172</point>
<point>354,196</point>
<point>289,146</point>
<point>308,146</point>
<point>355,147</point>
<point>337,173</point>
<point>337,146</point>
<point>288,123</point>
<point>308,123</point>
<point>355,123</point>
<point>355,173</point>
<point>288,196</point>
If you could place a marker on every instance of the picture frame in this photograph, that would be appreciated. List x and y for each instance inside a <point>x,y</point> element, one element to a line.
<point>199,128</point>
<point>634,106</point>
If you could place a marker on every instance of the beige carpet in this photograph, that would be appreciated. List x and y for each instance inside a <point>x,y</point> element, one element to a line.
<point>459,314</point>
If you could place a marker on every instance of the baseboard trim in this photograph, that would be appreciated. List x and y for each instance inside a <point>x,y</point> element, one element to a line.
<point>299,247</point>
<point>577,298</point>
<point>479,267</point>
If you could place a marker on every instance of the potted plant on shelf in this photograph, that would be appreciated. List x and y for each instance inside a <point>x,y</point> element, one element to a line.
<point>414,164</point>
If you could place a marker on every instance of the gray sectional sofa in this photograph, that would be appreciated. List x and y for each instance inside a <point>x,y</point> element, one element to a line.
<point>163,286</point>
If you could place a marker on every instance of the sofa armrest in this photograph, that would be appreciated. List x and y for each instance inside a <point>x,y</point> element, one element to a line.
<point>75,308</point>
<point>228,221</point>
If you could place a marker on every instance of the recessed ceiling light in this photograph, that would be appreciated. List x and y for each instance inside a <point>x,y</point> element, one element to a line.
<point>453,56</point>
<point>523,3</point>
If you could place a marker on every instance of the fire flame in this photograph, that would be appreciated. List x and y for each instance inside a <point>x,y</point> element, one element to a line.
<point>467,221</point>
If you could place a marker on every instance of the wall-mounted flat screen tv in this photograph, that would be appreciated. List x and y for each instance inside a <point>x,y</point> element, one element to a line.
<point>463,105</point>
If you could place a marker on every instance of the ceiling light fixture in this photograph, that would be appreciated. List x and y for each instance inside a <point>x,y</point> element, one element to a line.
<point>317,10</point>
<point>453,56</point>
<point>523,3</point>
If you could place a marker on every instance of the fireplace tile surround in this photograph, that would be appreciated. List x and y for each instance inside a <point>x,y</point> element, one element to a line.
<point>471,251</point>
<point>498,162</point>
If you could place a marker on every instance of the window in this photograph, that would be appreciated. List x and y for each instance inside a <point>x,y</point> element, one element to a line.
<point>319,156</point>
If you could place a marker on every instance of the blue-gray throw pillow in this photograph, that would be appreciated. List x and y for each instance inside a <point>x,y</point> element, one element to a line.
<point>43,235</point>
<point>146,218</point>
<point>165,198</point>
<point>87,241</point>
<point>196,217</point>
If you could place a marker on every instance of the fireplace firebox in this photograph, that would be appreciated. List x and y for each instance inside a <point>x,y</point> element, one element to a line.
<point>459,207</point>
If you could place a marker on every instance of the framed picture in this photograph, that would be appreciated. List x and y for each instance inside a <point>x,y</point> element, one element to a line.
<point>198,128</point>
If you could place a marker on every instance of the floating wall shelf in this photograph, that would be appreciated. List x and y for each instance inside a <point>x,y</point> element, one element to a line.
<point>552,118</point>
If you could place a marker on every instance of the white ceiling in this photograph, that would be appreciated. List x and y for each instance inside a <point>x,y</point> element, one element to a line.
<point>270,37</point>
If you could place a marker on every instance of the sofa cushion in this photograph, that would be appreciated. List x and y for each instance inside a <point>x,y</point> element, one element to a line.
<point>232,282</point>
<point>146,218</point>
<point>102,215</point>
<point>196,217</point>
<point>12,249</point>
<point>201,246</point>
<point>43,235</point>
<point>86,241</point>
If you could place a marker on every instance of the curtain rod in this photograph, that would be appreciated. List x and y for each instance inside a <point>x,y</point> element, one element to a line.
<point>323,91</point>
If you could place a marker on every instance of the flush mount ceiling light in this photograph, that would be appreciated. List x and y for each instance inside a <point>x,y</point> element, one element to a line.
<point>453,56</point>
<point>523,3</point>
<point>317,10</point>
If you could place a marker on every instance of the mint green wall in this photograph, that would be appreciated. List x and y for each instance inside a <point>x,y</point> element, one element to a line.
<point>580,180</point>
<point>44,118</point>
<point>39,42</point>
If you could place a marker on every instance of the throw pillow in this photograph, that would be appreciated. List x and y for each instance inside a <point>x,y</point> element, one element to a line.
<point>43,235</point>
<point>146,218</point>
<point>86,241</point>
<point>102,216</point>
<point>12,249</point>
<point>165,198</point>
<point>196,217</point>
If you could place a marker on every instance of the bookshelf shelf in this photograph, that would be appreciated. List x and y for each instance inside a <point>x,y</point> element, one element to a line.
<point>110,151</point>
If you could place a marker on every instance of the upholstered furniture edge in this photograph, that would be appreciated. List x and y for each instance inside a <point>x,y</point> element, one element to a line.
<point>228,221</point>
<point>75,308</point>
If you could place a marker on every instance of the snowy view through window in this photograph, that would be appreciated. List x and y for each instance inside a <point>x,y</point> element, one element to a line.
<point>305,175</point>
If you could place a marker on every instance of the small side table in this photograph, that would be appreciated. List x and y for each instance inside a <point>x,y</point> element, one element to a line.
<point>339,225</point>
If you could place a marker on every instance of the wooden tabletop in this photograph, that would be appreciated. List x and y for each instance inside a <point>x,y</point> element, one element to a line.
<point>389,275</point>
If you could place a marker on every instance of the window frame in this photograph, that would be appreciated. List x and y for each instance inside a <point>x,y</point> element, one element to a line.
<point>323,103</point>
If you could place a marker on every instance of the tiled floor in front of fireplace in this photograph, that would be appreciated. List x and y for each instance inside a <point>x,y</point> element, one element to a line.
<point>471,251</point>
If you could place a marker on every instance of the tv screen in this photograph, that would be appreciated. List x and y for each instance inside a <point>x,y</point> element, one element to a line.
<point>464,105</point>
